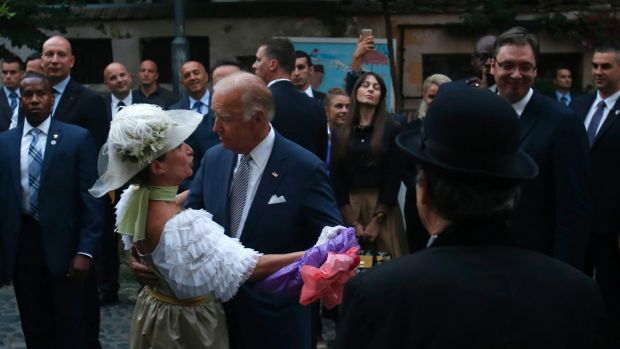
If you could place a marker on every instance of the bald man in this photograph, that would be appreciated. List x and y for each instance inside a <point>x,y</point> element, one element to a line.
<point>118,80</point>
<point>150,89</point>
<point>73,103</point>
<point>195,78</point>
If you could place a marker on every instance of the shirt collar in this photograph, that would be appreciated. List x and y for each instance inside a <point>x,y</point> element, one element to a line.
<point>261,152</point>
<point>559,94</point>
<point>127,99</point>
<point>204,99</point>
<point>276,80</point>
<point>44,126</point>
<point>520,105</point>
<point>60,87</point>
<point>309,92</point>
<point>609,101</point>
<point>8,92</point>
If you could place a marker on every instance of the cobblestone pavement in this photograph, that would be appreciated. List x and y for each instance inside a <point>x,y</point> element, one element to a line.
<point>115,320</point>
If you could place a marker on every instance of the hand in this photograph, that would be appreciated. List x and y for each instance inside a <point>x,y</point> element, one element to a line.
<point>372,230</point>
<point>143,274</point>
<point>359,229</point>
<point>79,268</point>
<point>364,45</point>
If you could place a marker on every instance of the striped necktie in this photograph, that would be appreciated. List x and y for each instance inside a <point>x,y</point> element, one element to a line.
<point>238,194</point>
<point>13,97</point>
<point>35,162</point>
<point>595,121</point>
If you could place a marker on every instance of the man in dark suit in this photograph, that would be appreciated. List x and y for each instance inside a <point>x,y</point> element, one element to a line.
<point>603,129</point>
<point>552,213</point>
<point>470,288</point>
<point>269,192</point>
<point>150,89</point>
<point>301,76</point>
<point>224,67</point>
<point>118,80</point>
<point>73,103</point>
<point>195,78</point>
<point>50,225</point>
<point>298,118</point>
<point>562,84</point>
<point>12,72</point>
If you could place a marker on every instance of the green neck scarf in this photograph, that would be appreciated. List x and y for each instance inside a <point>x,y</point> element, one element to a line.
<point>133,221</point>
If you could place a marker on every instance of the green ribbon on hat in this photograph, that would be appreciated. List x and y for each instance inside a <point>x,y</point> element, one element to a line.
<point>133,221</point>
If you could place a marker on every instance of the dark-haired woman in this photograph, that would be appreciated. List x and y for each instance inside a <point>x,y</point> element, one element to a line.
<point>365,168</point>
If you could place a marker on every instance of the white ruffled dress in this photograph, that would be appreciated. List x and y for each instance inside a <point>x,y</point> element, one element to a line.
<point>194,258</point>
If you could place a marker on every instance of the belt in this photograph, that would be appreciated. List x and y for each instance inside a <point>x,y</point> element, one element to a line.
<point>171,300</point>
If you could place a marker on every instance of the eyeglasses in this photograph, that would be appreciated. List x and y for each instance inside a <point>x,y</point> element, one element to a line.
<point>510,67</point>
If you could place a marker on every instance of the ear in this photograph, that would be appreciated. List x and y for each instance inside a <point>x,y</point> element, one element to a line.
<point>259,116</point>
<point>421,188</point>
<point>273,64</point>
<point>157,168</point>
<point>493,66</point>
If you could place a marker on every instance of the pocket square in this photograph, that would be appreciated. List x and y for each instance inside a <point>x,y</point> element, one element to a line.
<point>276,200</point>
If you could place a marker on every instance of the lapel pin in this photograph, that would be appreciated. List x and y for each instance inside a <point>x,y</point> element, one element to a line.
<point>53,142</point>
<point>617,111</point>
<point>55,136</point>
<point>275,174</point>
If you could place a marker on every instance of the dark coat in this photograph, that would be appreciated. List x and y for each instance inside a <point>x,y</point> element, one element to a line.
<point>5,111</point>
<point>107,99</point>
<point>83,107</point>
<point>300,118</point>
<point>552,213</point>
<point>258,320</point>
<point>472,290</point>
<point>70,218</point>
<point>605,154</point>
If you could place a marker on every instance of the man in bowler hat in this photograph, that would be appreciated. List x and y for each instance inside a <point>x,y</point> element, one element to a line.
<point>470,288</point>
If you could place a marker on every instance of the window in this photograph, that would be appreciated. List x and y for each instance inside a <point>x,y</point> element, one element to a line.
<point>91,58</point>
<point>159,50</point>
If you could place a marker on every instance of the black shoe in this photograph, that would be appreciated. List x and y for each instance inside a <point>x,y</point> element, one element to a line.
<point>108,298</point>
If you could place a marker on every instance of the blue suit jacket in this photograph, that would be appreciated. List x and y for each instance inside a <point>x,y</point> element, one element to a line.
<point>605,168</point>
<point>70,218</point>
<point>200,140</point>
<point>552,213</point>
<point>257,320</point>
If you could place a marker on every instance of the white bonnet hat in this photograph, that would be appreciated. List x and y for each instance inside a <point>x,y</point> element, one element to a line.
<point>139,134</point>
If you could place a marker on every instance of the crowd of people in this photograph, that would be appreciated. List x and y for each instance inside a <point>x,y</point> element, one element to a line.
<point>509,237</point>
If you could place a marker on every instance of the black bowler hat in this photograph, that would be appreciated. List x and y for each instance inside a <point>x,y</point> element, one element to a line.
<point>470,131</point>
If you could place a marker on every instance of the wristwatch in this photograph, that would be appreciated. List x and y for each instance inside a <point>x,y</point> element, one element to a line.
<point>380,216</point>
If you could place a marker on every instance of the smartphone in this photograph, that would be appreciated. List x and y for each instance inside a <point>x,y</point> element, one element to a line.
<point>365,32</point>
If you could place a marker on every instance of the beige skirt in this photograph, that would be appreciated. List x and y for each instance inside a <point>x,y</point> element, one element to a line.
<point>391,236</point>
<point>156,324</point>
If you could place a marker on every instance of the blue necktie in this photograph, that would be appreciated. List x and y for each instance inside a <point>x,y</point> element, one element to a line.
<point>564,100</point>
<point>238,194</point>
<point>35,162</point>
<point>197,107</point>
<point>596,120</point>
<point>13,97</point>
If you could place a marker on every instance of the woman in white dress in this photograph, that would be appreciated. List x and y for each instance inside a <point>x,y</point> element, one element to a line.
<point>197,264</point>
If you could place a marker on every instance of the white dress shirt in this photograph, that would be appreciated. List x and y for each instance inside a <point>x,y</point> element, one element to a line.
<point>114,103</point>
<point>309,92</point>
<point>7,92</point>
<point>204,108</point>
<point>260,155</point>
<point>23,157</point>
<point>60,87</point>
<point>609,103</point>
<point>519,106</point>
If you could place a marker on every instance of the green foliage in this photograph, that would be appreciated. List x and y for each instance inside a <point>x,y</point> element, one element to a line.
<point>588,29</point>
<point>22,22</point>
<point>498,14</point>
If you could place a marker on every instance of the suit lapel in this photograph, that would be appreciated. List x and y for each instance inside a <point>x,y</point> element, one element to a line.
<point>108,106</point>
<point>66,100</point>
<point>4,108</point>
<point>15,156</point>
<point>274,173</point>
<point>54,137</point>
<point>612,117</point>
<point>529,118</point>
<point>220,182</point>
